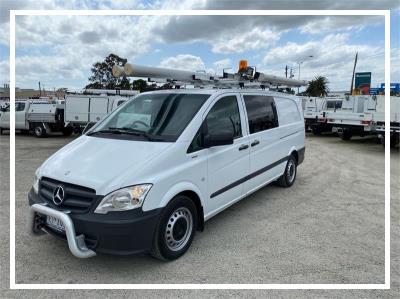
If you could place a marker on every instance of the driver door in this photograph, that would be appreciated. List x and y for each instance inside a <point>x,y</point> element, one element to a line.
<point>227,164</point>
<point>20,115</point>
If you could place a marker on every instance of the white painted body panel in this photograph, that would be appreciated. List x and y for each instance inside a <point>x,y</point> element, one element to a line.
<point>81,109</point>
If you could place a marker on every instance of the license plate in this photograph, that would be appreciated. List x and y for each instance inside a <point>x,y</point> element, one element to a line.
<point>55,223</point>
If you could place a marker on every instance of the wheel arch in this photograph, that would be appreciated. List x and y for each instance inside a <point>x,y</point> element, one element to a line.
<point>293,151</point>
<point>190,190</point>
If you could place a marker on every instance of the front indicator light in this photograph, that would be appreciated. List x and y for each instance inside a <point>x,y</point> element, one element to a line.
<point>35,184</point>
<point>124,199</point>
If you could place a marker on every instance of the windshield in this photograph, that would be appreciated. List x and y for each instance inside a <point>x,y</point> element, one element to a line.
<point>152,117</point>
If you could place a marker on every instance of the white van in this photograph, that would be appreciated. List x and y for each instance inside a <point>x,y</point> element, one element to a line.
<point>151,173</point>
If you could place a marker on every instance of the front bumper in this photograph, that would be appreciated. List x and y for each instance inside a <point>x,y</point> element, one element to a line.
<point>119,233</point>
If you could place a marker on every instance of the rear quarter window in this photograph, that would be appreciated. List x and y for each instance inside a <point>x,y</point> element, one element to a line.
<point>288,112</point>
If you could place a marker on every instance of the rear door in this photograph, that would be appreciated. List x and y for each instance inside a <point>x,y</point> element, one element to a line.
<point>264,138</point>
<point>228,164</point>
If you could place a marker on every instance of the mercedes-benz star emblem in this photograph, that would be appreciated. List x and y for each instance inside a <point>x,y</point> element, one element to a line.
<point>58,195</point>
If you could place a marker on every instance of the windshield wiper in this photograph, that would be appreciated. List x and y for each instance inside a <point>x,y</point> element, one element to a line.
<point>137,133</point>
<point>129,131</point>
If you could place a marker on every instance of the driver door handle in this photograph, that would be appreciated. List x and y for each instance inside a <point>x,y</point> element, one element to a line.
<point>243,147</point>
<point>255,142</point>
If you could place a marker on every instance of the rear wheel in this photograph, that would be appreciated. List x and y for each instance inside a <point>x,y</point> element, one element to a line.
<point>289,176</point>
<point>176,229</point>
<point>394,140</point>
<point>67,131</point>
<point>316,130</point>
<point>1,131</point>
<point>39,130</point>
<point>346,134</point>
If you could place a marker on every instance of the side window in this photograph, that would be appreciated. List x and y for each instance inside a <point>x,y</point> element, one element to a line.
<point>224,113</point>
<point>19,106</point>
<point>261,112</point>
<point>334,105</point>
<point>287,111</point>
<point>330,105</point>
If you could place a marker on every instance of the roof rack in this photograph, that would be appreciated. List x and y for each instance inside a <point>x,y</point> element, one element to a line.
<point>246,77</point>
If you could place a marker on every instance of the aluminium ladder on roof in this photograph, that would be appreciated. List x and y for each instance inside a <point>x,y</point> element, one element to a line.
<point>248,78</point>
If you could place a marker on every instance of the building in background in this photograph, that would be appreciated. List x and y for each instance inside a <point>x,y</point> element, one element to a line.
<point>394,89</point>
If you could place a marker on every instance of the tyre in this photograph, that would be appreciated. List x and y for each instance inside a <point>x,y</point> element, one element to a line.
<point>289,176</point>
<point>39,130</point>
<point>316,130</point>
<point>1,131</point>
<point>346,135</point>
<point>67,131</point>
<point>394,140</point>
<point>175,230</point>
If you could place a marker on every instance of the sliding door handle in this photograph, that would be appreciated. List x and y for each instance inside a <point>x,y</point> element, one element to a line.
<point>255,142</point>
<point>243,147</point>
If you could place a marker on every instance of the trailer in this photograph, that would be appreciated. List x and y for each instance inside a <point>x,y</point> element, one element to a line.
<point>40,117</point>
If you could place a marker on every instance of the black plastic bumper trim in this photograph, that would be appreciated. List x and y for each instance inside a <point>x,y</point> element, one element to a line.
<point>117,233</point>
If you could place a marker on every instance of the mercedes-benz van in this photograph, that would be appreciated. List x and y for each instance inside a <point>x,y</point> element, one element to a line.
<point>149,175</point>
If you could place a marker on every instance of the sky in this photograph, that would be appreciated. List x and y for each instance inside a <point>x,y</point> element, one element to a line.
<point>59,51</point>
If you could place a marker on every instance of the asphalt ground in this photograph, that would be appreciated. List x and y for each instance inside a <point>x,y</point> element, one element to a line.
<point>327,228</point>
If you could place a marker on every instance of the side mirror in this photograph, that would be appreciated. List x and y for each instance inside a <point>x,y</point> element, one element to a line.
<point>218,137</point>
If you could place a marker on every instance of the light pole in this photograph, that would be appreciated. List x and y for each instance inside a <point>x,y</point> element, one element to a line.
<point>299,63</point>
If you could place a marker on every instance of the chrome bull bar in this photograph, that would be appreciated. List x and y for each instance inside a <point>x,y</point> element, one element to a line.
<point>76,244</point>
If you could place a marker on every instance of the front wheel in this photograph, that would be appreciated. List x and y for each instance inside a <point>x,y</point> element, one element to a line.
<point>176,229</point>
<point>289,176</point>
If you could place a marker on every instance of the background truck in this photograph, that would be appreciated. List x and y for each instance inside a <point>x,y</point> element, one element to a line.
<point>365,115</point>
<point>355,117</point>
<point>40,117</point>
<point>82,110</point>
<point>314,117</point>
<point>378,120</point>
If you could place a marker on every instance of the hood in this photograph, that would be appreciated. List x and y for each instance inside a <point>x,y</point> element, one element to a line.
<point>94,162</point>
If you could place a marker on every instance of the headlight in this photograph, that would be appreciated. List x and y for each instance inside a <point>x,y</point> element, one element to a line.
<point>35,184</point>
<point>123,199</point>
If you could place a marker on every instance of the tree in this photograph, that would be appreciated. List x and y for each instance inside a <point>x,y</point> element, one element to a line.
<point>102,76</point>
<point>317,87</point>
<point>140,85</point>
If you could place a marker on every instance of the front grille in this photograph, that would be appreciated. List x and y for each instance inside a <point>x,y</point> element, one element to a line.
<point>77,199</point>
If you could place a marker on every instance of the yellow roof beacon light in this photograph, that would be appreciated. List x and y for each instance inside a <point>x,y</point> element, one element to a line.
<point>242,66</point>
